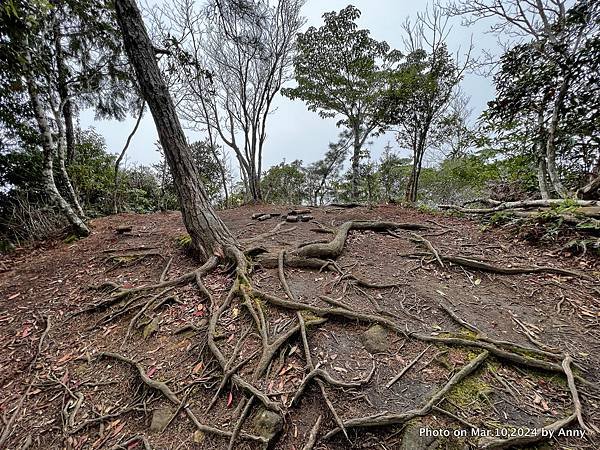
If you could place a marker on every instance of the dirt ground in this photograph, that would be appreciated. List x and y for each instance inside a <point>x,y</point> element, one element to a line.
<point>56,393</point>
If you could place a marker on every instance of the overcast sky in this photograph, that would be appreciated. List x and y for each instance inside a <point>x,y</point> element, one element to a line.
<point>293,131</point>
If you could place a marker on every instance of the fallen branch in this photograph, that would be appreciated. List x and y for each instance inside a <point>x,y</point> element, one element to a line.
<point>520,204</point>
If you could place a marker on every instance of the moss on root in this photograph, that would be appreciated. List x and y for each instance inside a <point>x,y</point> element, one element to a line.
<point>469,392</point>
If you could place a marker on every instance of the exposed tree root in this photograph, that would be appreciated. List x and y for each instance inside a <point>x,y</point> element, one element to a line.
<point>317,256</point>
<point>494,347</point>
<point>333,248</point>
<point>566,364</point>
<point>486,267</point>
<point>312,435</point>
<point>520,441</point>
<point>383,419</point>
<point>8,427</point>
<point>311,366</point>
<point>237,379</point>
<point>170,395</point>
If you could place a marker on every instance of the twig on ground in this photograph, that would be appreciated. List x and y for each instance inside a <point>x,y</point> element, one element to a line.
<point>403,371</point>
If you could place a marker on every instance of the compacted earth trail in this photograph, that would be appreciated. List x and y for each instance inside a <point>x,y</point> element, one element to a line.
<point>359,328</point>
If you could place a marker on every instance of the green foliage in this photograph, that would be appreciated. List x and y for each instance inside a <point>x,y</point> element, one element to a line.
<point>92,172</point>
<point>541,86</point>
<point>284,183</point>
<point>337,69</point>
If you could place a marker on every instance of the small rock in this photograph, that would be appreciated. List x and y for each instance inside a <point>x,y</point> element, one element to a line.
<point>296,212</point>
<point>151,328</point>
<point>306,217</point>
<point>412,439</point>
<point>160,418</point>
<point>264,217</point>
<point>375,339</point>
<point>257,215</point>
<point>291,218</point>
<point>123,229</point>
<point>267,423</point>
<point>198,437</point>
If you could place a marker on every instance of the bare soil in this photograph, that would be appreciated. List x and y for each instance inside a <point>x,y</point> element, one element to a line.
<point>68,398</point>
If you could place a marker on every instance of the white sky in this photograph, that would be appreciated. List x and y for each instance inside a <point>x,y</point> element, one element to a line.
<point>293,131</point>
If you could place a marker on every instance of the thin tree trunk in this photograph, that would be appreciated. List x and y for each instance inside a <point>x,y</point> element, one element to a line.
<point>542,176</point>
<point>551,142</point>
<point>63,171</point>
<point>542,170</point>
<point>63,91</point>
<point>120,158</point>
<point>207,231</point>
<point>47,170</point>
<point>356,163</point>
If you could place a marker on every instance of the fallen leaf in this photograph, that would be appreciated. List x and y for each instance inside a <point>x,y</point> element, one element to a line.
<point>229,399</point>
<point>198,367</point>
<point>151,371</point>
<point>26,331</point>
<point>64,358</point>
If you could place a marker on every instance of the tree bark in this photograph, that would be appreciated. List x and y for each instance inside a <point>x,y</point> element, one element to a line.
<point>48,147</point>
<point>356,162</point>
<point>207,231</point>
<point>551,142</point>
<point>63,91</point>
<point>542,170</point>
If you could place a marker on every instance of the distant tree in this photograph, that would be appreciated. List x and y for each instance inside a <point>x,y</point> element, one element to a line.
<point>320,173</point>
<point>551,35</point>
<point>227,62</point>
<point>421,111</point>
<point>284,183</point>
<point>342,72</point>
<point>393,174</point>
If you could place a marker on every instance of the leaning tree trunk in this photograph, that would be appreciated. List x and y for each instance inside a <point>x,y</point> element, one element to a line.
<point>47,169</point>
<point>208,233</point>
<point>120,158</point>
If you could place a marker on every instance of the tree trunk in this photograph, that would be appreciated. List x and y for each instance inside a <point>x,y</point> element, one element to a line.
<point>207,231</point>
<point>415,173</point>
<point>356,164</point>
<point>551,142</point>
<point>542,176</point>
<point>542,169</point>
<point>120,158</point>
<point>63,170</point>
<point>47,170</point>
<point>63,90</point>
